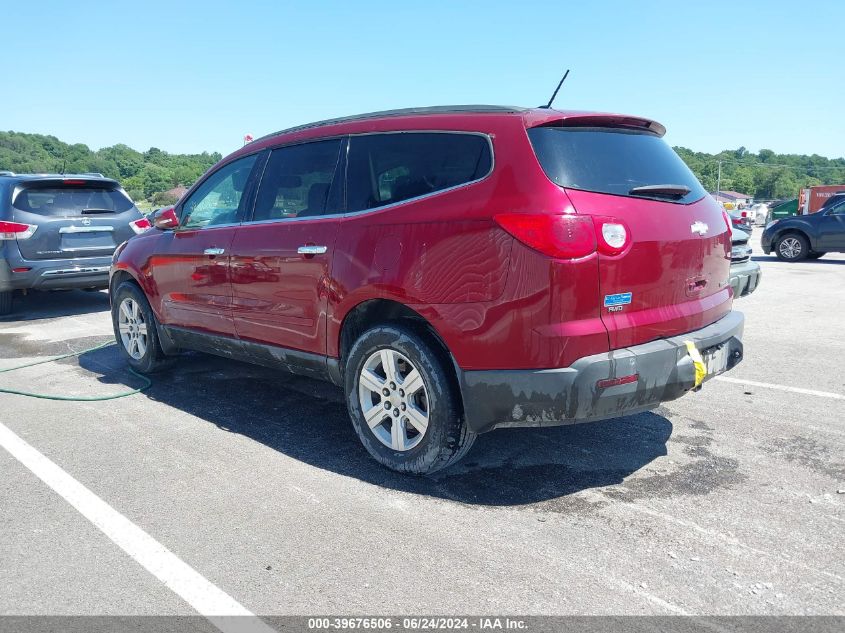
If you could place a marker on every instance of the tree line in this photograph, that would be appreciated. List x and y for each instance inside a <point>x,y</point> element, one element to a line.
<point>146,175</point>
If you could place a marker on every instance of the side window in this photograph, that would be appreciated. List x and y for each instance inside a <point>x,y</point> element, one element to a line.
<point>389,168</point>
<point>297,181</point>
<point>838,208</point>
<point>220,198</point>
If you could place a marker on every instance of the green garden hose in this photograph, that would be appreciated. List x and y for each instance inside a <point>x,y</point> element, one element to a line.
<point>44,396</point>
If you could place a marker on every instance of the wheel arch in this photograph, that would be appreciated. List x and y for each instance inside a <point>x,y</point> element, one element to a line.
<point>799,230</point>
<point>118,277</point>
<point>373,312</point>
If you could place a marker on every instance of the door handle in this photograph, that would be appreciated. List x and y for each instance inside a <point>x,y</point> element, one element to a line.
<point>310,249</point>
<point>214,251</point>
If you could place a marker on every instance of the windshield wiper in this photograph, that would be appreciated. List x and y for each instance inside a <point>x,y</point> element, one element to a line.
<point>660,191</point>
<point>85,211</point>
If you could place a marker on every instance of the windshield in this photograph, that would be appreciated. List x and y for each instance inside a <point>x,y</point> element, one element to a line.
<point>613,160</point>
<point>71,201</point>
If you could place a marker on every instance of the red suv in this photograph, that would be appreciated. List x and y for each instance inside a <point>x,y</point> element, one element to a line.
<point>454,269</point>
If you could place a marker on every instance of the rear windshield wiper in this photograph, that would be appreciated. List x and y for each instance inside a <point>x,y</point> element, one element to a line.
<point>660,191</point>
<point>86,211</point>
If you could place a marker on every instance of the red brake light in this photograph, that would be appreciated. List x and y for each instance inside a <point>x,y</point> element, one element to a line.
<point>16,230</point>
<point>71,181</point>
<point>139,226</point>
<point>560,236</point>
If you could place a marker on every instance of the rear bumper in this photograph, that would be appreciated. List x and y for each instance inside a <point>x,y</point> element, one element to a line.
<point>570,395</point>
<point>52,274</point>
<point>745,277</point>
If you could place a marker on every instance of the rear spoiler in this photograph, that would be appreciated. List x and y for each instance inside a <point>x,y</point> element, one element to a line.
<point>68,181</point>
<point>592,119</point>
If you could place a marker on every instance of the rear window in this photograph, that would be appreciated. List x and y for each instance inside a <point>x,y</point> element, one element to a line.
<point>389,168</point>
<point>611,160</point>
<point>71,201</point>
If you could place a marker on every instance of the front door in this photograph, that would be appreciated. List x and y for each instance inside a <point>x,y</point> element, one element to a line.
<point>191,267</point>
<point>281,258</point>
<point>832,229</point>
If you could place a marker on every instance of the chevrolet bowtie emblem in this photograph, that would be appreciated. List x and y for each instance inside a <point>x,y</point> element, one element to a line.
<point>699,227</point>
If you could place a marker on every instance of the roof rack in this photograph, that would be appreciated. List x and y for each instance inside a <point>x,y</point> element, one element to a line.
<point>6,172</point>
<point>454,109</point>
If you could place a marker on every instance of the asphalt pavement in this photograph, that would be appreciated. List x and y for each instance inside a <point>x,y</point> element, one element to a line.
<point>727,501</point>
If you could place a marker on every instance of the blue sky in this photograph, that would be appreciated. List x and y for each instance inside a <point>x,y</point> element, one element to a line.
<point>193,76</point>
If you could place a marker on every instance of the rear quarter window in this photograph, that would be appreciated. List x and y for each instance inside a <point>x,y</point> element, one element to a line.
<point>394,167</point>
<point>611,160</point>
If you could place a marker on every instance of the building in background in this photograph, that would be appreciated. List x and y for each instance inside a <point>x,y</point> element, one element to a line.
<point>738,200</point>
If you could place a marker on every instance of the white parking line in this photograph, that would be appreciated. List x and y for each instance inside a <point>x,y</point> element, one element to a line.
<point>768,385</point>
<point>210,601</point>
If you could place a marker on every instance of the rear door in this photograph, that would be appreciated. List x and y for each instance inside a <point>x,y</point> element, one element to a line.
<point>75,217</point>
<point>281,258</point>
<point>191,266</point>
<point>672,275</point>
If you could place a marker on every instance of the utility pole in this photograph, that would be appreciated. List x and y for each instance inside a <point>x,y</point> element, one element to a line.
<point>719,180</point>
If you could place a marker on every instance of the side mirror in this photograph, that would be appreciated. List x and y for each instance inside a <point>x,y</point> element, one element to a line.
<point>166,219</point>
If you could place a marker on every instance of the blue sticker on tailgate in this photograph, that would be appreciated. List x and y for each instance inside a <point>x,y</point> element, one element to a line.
<point>620,299</point>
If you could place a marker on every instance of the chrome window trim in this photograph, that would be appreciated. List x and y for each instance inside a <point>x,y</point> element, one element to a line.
<point>352,214</point>
<point>206,228</point>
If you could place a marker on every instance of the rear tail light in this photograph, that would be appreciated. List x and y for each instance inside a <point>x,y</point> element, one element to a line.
<point>560,236</point>
<point>567,236</point>
<point>139,226</point>
<point>16,230</point>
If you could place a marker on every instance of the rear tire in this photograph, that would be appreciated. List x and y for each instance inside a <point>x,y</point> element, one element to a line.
<point>136,330</point>
<point>5,302</point>
<point>403,402</point>
<point>792,247</point>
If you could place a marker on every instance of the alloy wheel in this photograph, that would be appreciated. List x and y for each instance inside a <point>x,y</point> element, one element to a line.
<point>393,399</point>
<point>790,247</point>
<point>132,328</point>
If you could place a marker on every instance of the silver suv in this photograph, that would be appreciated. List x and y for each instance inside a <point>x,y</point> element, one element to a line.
<point>59,231</point>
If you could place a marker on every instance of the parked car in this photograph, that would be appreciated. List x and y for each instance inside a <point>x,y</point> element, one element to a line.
<point>807,236</point>
<point>453,269</point>
<point>745,273</point>
<point>741,219</point>
<point>59,231</point>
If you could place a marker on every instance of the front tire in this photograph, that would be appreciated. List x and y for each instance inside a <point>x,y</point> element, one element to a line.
<point>403,402</point>
<point>5,302</point>
<point>792,247</point>
<point>136,330</point>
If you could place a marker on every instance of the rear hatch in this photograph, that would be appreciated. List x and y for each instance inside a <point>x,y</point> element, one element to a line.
<point>74,217</point>
<point>671,275</point>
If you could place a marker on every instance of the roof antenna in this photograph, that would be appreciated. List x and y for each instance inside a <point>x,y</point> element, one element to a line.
<point>549,104</point>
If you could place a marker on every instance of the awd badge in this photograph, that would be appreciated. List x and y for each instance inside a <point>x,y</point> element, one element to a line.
<point>615,303</point>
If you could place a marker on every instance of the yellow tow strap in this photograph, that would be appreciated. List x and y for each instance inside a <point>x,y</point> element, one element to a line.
<point>698,361</point>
